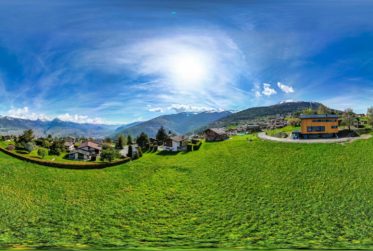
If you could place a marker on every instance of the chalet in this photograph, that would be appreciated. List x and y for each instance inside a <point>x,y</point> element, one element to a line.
<point>215,134</point>
<point>86,151</point>
<point>325,125</point>
<point>69,146</point>
<point>175,143</point>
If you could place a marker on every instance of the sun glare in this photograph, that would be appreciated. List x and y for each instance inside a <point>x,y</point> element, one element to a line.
<point>188,70</point>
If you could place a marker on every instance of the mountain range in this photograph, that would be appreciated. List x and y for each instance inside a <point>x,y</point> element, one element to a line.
<point>180,123</point>
<point>256,113</point>
<point>56,127</point>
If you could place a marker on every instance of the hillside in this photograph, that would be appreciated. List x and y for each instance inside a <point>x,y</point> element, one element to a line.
<point>56,127</point>
<point>228,194</point>
<point>180,123</point>
<point>252,114</point>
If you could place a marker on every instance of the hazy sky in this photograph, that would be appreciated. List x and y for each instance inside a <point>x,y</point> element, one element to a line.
<point>122,61</point>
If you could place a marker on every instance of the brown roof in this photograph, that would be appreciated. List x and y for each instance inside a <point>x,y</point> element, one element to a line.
<point>177,138</point>
<point>90,144</point>
<point>219,131</point>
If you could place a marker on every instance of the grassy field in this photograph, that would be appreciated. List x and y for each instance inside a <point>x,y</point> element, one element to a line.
<point>236,193</point>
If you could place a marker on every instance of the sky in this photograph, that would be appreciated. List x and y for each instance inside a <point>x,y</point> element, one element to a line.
<point>116,62</point>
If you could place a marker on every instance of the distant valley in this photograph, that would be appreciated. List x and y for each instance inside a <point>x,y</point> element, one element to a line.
<point>180,123</point>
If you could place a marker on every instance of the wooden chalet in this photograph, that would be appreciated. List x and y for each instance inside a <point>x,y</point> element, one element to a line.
<point>215,134</point>
<point>86,151</point>
<point>175,143</point>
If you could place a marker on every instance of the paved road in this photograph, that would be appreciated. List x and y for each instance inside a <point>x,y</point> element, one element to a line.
<point>263,136</point>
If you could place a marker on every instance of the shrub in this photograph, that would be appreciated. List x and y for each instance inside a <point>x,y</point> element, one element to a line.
<point>29,147</point>
<point>109,154</point>
<point>139,151</point>
<point>190,147</point>
<point>281,135</point>
<point>196,147</point>
<point>42,153</point>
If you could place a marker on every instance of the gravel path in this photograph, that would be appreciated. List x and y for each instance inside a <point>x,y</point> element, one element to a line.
<point>263,136</point>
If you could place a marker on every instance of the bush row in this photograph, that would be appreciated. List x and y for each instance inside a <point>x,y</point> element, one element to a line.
<point>72,165</point>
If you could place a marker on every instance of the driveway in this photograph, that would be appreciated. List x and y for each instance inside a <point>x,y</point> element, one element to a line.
<point>264,136</point>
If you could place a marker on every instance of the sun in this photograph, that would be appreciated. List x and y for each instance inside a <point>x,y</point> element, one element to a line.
<point>188,69</point>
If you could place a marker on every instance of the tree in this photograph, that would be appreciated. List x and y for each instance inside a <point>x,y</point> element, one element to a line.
<point>370,115</point>
<point>322,109</point>
<point>348,118</point>
<point>294,121</point>
<point>27,136</point>
<point>42,153</point>
<point>161,135</point>
<point>121,142</point>
<point>108,140</point>
<point>129,140</point>
<point>143,140</point>
<point>308,111</point>
<point>109,154</point>
<point>56,148</point>
<point>130,151</point>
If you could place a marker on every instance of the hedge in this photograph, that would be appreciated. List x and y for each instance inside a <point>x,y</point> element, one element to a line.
<point>196,147</point>
<point>65,165</point>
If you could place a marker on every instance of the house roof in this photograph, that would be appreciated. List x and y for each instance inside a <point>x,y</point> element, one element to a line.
<point>220,131</point>
<point>177,138</point>
<point>90,144</point>
<point>319,116</point>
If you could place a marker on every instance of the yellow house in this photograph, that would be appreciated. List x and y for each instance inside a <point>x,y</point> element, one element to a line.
<point>319,124</point>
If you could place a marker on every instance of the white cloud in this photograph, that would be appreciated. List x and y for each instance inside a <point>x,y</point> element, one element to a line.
<point>285,88</point>
<point>155,109</point>
<point>25,113</point>
<point>80,119</point>
<point>258,94</point>
<point>191,108</point>
<point>268,90</point>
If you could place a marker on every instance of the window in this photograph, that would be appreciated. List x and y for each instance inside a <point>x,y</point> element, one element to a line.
<point>334,127</point>
<point>316,129</point>
<point>324,120</point>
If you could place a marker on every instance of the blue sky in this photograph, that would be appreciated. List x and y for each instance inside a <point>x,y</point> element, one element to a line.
<point>123,61</point>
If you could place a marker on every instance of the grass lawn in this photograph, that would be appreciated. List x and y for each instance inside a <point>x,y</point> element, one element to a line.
<point>236,193</point>
<point>287,129</point>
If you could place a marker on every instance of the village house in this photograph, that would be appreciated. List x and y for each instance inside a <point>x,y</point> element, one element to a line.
<point>215,134</point>
<point>69,146</point>
<point>313,126</point>
<point>86,151</point>
<point>175,143</point>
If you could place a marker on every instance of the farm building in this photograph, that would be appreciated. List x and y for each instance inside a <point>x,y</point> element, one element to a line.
<point>86,151</point>
<point>325,125</point>
<point>215,134</point>
<point>175,143</point>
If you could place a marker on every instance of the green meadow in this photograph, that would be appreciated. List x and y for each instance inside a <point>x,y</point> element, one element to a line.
<point>235,194</point>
